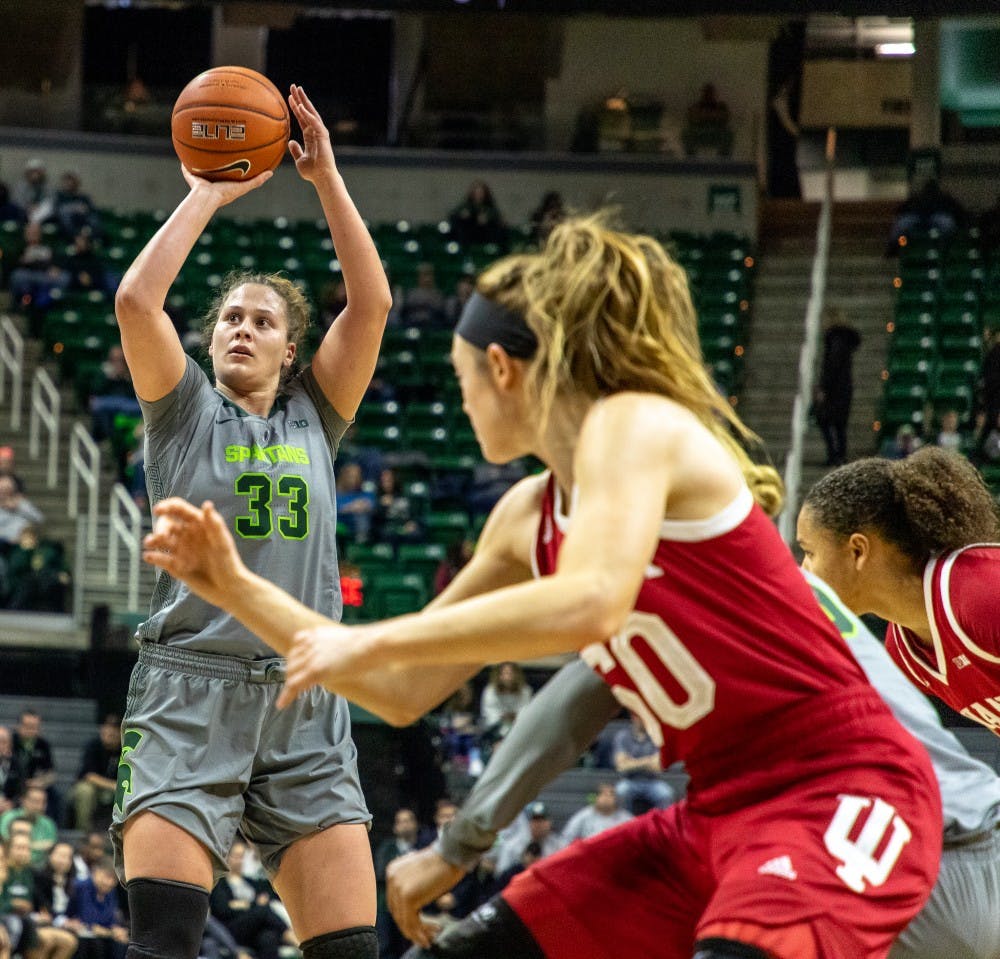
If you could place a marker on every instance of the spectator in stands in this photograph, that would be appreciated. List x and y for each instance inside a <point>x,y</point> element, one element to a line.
<point>95,787</point>
<point>32,193</point>
<point>424,304</point>
<point>603,813</point>
<point>245,909</point>
<point>393,520</point>
<point>533,826</point>
<point>7,467</point>
<point>16,510</point>
<point>38,576</point>
<point>9,210</point>
<point>949,437</point>
<point>85,266</point>
<point>637,762</point>
<point>550,211</point>
<point>990,444</point>
<point>835,389</point>
<point>989,384</point>
<point>74,211</point>
<point>505,695</point>
<point>929,208</point>
<point>20,889</point>
<point>95,915</point>
<point>459,729</point>
<point>490,481</point>
<point>405,832</point>
<point>355,504</point>
<point>708,124</point>
<point>531,853</point>
<point>113,394</point>
<point>477,219</point>
<point>11,776</point>
<point>457,554</point>
<point>44,831</point>
<point>54,885</point>
<point>35,758</point>
<point>444,812</point>
<point>37,277</point>
<point>465,286</point>
<point>92,848</point>
<point>903,443</point>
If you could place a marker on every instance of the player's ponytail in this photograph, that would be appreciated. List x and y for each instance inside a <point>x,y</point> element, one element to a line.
<point>612,312</point>
<point>929,503</point>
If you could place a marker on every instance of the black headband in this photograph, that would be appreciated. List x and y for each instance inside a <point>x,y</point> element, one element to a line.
<point>483,322</point>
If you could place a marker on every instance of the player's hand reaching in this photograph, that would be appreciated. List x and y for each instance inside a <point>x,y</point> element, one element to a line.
<point>323,656</point>
<point>413,881</point>
<point>314,156</point>
<point>194,545</point>
<point>224,191</point>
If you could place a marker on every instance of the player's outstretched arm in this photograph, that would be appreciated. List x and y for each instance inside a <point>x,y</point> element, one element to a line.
<point>153,351</point>
<point>548,736</point>
<point>624,464</point>
<point>193,544</point>
<point>344,363</point>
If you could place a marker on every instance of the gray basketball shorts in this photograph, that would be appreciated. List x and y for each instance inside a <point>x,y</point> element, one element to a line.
<point>960,920</point>
<point>204,747</point>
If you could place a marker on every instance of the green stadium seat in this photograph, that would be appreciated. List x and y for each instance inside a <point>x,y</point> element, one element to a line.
<point>446,528</point>
<point>394,594</point>
<point>422,559</point>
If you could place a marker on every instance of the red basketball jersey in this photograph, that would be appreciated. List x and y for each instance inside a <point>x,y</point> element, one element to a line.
<point>726,646</point>
<point>963,667</point>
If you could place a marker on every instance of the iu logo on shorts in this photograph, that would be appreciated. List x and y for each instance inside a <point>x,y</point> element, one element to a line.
<point>858,862</point>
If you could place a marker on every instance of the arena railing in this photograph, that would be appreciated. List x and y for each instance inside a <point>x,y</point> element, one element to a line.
<point>124,528</point>
<point>12,364</point>
<point>85,468</point>
<point>45,409</point>
<point>807,355</point>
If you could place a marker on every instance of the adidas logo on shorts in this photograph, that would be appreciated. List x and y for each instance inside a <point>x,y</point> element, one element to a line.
<point>779,866</point>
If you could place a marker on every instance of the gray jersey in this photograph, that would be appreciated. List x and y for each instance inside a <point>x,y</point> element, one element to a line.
<point>970,790</point>
<point>272,481</point>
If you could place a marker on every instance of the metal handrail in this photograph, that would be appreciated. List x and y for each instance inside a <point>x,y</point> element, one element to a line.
<point>12,361</point>
<point>125,527</point>
<point>807,355</point>
<point>45,408</point>
<point>84,467</point>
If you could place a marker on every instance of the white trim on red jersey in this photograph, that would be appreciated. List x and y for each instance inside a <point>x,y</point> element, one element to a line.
<point>678,530</point>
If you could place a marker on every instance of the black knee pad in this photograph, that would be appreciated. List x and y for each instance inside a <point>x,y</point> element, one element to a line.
<point>727,949</point>
<point>358,942</point>
<point>167,919</point>
<point>493,931</point>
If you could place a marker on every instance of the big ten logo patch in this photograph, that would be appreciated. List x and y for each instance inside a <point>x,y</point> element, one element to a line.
<point>214,130</point>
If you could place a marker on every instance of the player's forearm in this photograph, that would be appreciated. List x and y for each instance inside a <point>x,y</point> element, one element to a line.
<point>547,737</point>
<point>268,611</point>
<point>555,614</point>
<point>368,293</point>
<point>149,278</point>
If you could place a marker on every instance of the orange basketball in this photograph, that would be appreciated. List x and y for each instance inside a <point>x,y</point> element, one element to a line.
<point>230,123</point>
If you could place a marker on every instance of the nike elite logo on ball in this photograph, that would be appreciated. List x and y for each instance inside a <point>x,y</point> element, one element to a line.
<point>243,166</point>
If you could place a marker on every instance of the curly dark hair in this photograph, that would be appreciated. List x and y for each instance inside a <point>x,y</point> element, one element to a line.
<point>929,503</point>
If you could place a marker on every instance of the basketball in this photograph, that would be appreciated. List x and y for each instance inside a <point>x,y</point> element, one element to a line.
<point>230,123</point>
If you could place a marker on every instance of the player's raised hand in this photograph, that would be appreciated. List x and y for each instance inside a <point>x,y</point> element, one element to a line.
<point>224,191</point>
<point>314,156</point>
<point>193,545</point>
<point>413,881</point>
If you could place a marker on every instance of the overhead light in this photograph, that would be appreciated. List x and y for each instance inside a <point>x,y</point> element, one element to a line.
<point>895,49</point>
